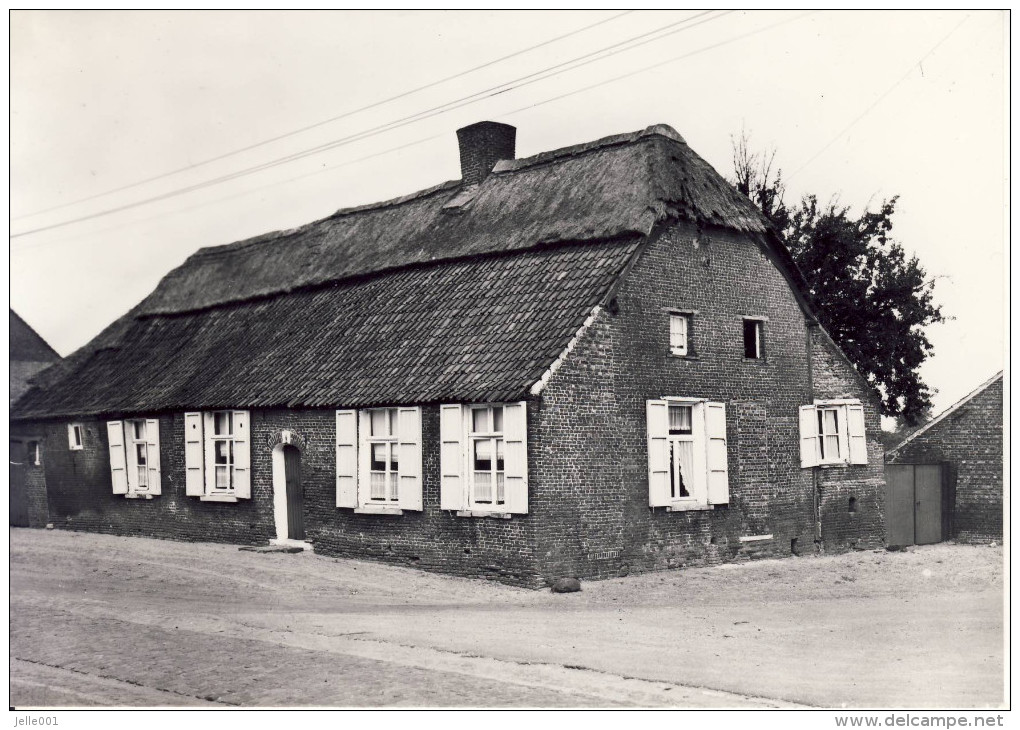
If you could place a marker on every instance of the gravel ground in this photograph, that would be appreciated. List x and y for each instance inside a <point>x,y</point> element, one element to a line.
<point>103,620</point>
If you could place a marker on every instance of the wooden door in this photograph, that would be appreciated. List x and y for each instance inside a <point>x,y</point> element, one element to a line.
<point>295,493</point>
<point>18,485</point>
<point>899,504</point>
<point>927,504</point>
<point>916,509</point>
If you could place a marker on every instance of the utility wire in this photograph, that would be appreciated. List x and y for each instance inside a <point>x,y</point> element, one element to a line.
<point>324,122</point>
<point>877,101</point>
<point>614,79</point>
<point>441,109</point>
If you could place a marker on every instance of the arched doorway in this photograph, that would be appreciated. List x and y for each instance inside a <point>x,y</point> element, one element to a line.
<point>288,494</point>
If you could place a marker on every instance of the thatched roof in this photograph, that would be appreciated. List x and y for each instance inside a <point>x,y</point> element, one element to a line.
<point>453,293</point>
<point>601,190</point>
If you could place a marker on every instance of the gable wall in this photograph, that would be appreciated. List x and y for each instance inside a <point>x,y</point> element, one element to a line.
<point>971,440</point>
<point>834,377</point>
<point>592,468</point>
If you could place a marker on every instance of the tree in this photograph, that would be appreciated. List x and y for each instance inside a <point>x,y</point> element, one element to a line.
<point>874,299</point>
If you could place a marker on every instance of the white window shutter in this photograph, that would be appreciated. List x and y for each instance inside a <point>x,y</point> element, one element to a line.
<point>515,440</point>
<point>118,461</point>
<point>152,455</point>
<point>409,439</point>
<point>808,436</point>
<point>452,483</point>
<point>718,471</point>
<point>242,455</point>
<point>346,458</point>
<point>858,440</point>
<point>194,455</point>
<point>657,417</point>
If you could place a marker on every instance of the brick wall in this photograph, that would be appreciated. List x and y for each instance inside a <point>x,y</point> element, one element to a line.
<point>81,493</point>
<point>431,539</point>
<point>591,467</point>
<point>971,440</point>
<point>860,524</point>
<point>81,498</point>
<point>35,478</point>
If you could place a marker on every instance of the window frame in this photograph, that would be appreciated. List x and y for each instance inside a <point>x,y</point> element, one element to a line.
<point>210,483</point>
<point>495,438</point>
<point>759,335</point>
<point>135,486</point>
<point>34,453</point>
<point>697,497</point>
<point>850,431</point>
<point>76,436</point>
<point>391,484</point>
<point>687,350</point>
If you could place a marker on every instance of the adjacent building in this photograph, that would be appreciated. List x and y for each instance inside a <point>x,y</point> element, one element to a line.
<point>592,361</point>
<point>29,355</point>
<point>965,442</point>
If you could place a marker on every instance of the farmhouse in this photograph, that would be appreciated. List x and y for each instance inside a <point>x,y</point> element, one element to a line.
<point>964,445</point>
<point>595,360</point>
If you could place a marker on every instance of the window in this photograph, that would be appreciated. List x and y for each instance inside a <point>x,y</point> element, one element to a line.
<point>832,432</point>
<point>217,455</point>
<point>384,456</point>
<point>134,457</point>
<point>378,460</point>
<point>75,434</point>
<point>680,334</point>
<point>487,475</point>
<point>484,459</point>
<point>687,457</point>
<point>222,440</point>
<point>34,453</point>
<point>138,456</point>
<point>754,339</point>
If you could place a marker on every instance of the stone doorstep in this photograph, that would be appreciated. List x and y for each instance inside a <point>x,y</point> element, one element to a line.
<point>278,546</point>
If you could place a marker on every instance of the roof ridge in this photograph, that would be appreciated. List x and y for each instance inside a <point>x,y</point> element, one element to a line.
<point>613,140</point>
<point>502,167</point>
<point>949,411</point>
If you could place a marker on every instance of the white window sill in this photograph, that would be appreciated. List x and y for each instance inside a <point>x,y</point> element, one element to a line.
<point>833,464</point>
<point>687,506</point>
<point>76,448</point>
<point>481,513</point>
<point>138,495</point>
<point>374,509</point>
<point>218,498</point>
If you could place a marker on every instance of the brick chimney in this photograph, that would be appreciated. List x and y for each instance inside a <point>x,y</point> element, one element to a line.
<point>482,145</point>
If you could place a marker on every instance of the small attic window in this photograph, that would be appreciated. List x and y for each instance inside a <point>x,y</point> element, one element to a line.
<point>754,339</point>
<point>75,437</point>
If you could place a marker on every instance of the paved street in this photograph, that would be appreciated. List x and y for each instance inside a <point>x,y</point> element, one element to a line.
<point>99,620</point>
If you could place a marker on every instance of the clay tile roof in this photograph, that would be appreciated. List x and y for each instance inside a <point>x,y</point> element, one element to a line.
<point>448,294</point>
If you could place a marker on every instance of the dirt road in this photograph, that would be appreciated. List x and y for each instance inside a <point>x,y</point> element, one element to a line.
<point>101,620</point>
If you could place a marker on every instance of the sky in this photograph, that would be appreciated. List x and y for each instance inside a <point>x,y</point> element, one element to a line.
<point>138,137</point>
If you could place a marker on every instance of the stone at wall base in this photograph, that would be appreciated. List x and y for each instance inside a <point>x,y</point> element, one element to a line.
<point>566,585</point>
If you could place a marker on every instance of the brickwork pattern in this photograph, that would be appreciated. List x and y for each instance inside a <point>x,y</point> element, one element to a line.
<point>592,503</point>
<point>860,525</point>
<point>81,498</point>
<point>971,440</point>
<point>81,493</point>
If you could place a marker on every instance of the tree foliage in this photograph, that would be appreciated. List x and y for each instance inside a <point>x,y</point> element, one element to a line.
<point>873,298</point>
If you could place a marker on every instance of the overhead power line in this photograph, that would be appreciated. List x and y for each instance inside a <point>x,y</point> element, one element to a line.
<point>526,80</point>
<point>527,107</point>
<point>878,101</point>
<point>324,122</point>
